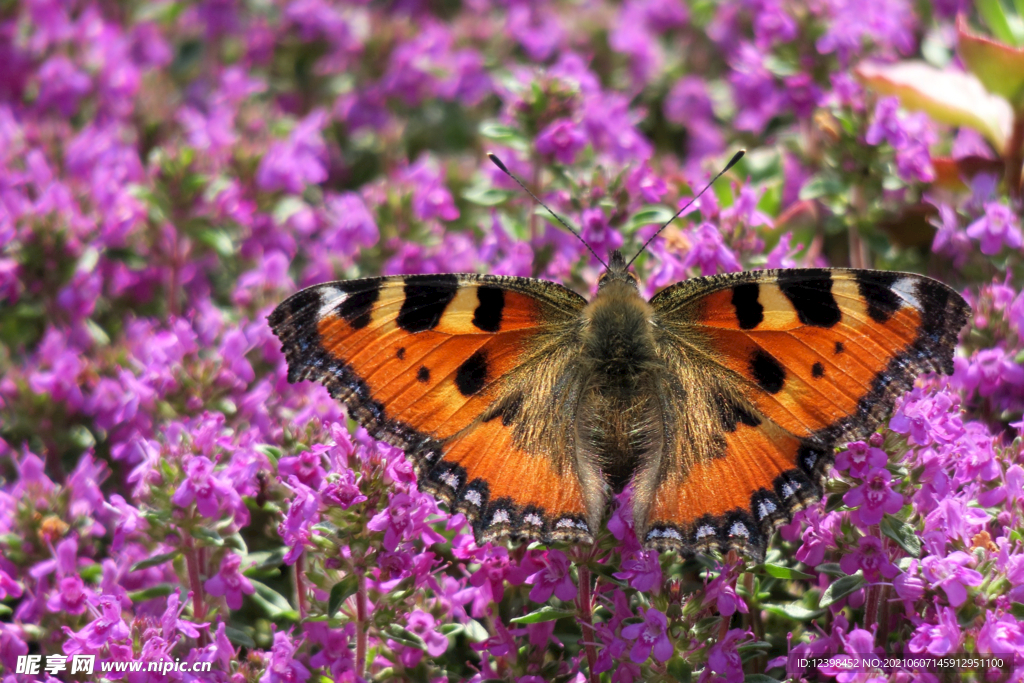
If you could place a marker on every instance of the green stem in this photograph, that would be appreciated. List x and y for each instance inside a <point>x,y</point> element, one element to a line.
<point>360,625</point>
<point>583,605</point>
<point>196,584</point>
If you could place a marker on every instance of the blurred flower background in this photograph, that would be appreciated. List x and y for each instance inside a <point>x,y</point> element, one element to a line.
<point>171,170</point>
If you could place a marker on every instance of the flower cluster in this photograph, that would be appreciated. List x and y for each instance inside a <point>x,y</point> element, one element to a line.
<point>170,172</point>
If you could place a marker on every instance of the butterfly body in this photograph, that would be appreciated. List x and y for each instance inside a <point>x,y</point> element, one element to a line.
<point>720,400</point>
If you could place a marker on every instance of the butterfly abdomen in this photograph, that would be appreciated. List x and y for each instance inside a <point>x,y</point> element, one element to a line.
<point>619,420</point>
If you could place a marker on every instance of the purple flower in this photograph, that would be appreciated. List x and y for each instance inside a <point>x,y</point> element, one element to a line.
<point>306,466</point>
<point>723,658</point>
<point>283,667</point>
<point>230,582</point>
<point>873,498</point>
<point>422,624</point>
<point>642,570</point>
<point>888,24</point>
<point>951,574</point>
<point>553,577</point>
<point>651,636</point>
<point>722,590</point>
<point>61,85</point>
<point>107,628</point>
<point>870,558</point>
<point>70,597</point>
<point>709,251</point>
<point>1000,635</point>
<point>937,639</point>
<point>998,227</point>
<point>404,519</point>
<point>204,487</point>
<point>859,459</point>
<point>341,490</point>
<point>597,233</point>
<point>561,139</point>
<point>300,160</point>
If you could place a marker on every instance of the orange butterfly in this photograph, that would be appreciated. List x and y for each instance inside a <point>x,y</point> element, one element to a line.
<point>721,399</point>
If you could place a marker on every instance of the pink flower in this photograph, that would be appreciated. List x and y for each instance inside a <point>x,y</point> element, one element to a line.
<point>952,575</point>
<point>873,498</point>
<point>203,487</point>
<point>724,660</point>
<point>859,459</point>
<point>642,570</point>
<point>937,639</point>
<point>651,636</point>
<point>230,582</point>
<point>553,578</point>
<point>561,139</point>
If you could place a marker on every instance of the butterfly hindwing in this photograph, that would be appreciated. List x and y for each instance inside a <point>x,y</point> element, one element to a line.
<point>468,374</point>
<point>786,365</point>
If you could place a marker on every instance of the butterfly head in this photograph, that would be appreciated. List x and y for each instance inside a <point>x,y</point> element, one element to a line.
<point>617,271</point>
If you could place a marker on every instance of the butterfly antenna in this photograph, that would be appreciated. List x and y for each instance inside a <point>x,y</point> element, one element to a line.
<point>497,162</point>
<point>732,162</point>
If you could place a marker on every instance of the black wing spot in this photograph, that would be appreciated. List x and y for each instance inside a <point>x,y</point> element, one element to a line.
<point>810,292</point>
<point>471,376</point>
<point>839,348</point>
<point>818,370</point>
<point>767,371</point>
<point>487,316</point>
<point>357,307</point>
<point>425,301</point>
<point>749,311</point>
<point>876,288</point>
<point>400,353</point>
<point>732,413</point>
<point>423,374</point>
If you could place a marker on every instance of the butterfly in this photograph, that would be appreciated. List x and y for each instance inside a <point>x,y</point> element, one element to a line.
<point>721,399</point>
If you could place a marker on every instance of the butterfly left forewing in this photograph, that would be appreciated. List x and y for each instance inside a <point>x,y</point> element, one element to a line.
<point>460,371</point>
<point>809,359</point>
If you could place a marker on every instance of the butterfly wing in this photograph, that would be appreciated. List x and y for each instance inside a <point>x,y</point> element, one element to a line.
<point>781,366</point>
<point>472,375</point>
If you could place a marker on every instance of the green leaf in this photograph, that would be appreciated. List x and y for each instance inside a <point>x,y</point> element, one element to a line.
<point>486,196</point>
<point>545,613</point>
<point>449,629</point>
<point>208,535</point>
<point>679,669</point>
<point>793,610</point>
<point>948,96</point>
<point>994,14</point>
<point>830,568</point>
<point>1017,610</point>
<point>265,558</point>
<point>272,452</point>
<point>273,603</point>
<point>780,572</point>
<point>405,637</point>
<point>239,637</point>
<point>475,631</point>
<point>217,240</point>
<point>649,215</point>
<point>158,591</point>
<point>5,611</point>
<point>901,532</point>
<point>498,132</point>
<point>998,66</point>
<point>840,588</point>
<point>155,561</point>
<point>340,592</point>
<point>821,186</point>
